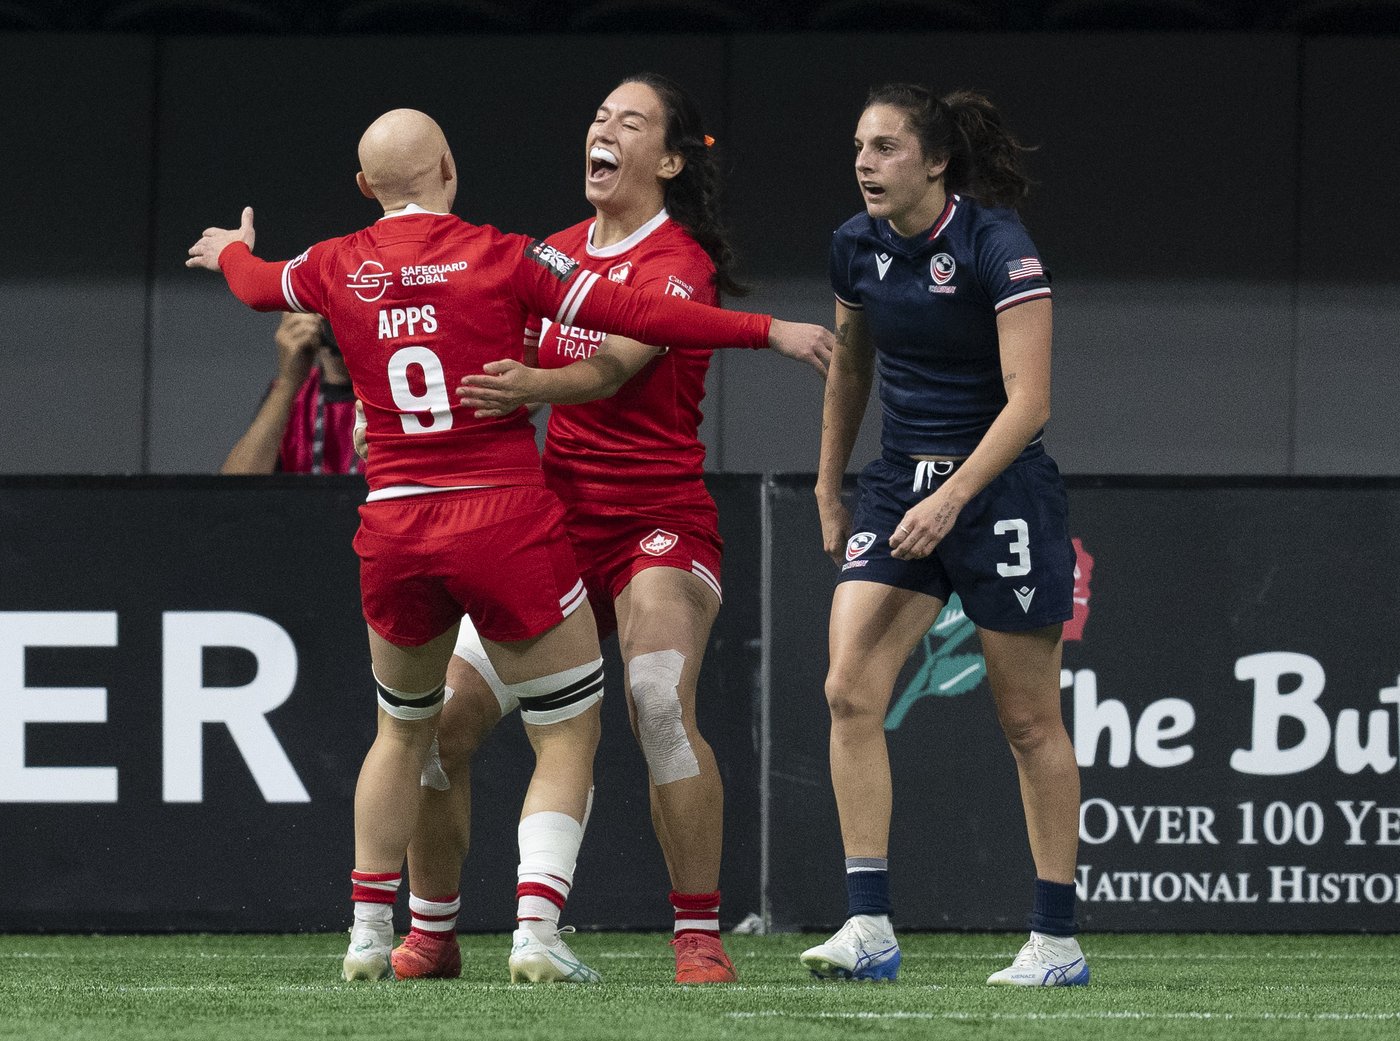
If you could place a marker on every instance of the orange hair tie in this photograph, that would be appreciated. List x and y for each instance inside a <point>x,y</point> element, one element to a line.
<point>709,141</point>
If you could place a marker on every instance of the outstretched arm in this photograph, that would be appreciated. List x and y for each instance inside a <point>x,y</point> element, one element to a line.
<point>258,283</point>
<point>554,287</point>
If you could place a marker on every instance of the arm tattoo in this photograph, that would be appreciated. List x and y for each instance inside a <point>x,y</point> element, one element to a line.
<point>1008,377</point>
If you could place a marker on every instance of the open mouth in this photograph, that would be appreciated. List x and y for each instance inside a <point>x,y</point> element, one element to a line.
<point>872,191</point>
<point>602,163</point>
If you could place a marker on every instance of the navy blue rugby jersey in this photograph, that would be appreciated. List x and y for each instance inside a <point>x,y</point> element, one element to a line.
<point>931,304</point>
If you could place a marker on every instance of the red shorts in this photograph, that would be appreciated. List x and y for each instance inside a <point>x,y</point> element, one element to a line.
<point>614,542</point>
<point>498,554</point>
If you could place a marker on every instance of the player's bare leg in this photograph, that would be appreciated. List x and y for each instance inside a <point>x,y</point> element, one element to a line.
<point>873,628</point>
<point>557,678</point>
<point>664,621</point>
<point>1023,670</point>
<point>442,838</point>
<point>410,684</point>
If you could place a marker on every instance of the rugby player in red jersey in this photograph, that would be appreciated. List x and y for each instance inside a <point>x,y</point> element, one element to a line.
<point>623,452</point>
<point>457,519</point>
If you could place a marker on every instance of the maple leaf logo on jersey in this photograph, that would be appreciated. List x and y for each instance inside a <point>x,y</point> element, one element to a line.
<point>941,267</point>
<point>659,542</point>
<point>370,281</point>
<point>620,272</point>
<point>675,287</point>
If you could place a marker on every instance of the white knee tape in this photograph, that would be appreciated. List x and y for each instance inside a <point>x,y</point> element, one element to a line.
<point>402,705</point>
<point>561,695</point>
<point>470,650</point>
<point>434,776</point>
<point>655,678</point>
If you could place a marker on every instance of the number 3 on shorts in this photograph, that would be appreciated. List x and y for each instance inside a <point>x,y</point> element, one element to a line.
<point>430,410</point>
<point>1020,547</point>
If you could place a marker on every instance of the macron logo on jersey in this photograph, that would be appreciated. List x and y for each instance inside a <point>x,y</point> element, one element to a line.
<point>882,264</point>
<point>370,281</point>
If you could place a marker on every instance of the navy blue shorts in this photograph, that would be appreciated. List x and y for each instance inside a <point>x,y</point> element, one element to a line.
<point>1008,556</point>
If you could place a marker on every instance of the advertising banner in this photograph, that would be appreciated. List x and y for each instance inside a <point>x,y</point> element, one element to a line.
<point>185,701</point>
<point>1231,683</point>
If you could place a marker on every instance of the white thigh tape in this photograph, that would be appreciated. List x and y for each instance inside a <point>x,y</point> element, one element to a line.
<point>655,678</point>
<point>470,650</point>
<point>560,696</point>
<point>405,706</point>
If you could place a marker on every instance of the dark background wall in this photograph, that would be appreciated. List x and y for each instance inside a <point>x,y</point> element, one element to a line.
<point>1216,208</point>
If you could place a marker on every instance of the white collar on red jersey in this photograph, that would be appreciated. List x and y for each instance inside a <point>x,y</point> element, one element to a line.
<point>410,209</point>
<point>619,248</point>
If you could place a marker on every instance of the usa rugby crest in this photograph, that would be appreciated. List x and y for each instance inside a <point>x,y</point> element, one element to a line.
<point>941,268</point>
<point>859,543</point>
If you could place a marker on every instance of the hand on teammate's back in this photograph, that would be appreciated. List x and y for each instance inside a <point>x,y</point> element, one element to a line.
<point>803,342</point>
<point>501,388</point>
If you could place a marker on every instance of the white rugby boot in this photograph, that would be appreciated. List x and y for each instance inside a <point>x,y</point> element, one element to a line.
<point>532,960</point>
<point>862,949</point>
<point>371,943</point>
<point>1045,961</point>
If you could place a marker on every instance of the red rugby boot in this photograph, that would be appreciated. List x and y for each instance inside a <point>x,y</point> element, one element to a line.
<point>700,958</point>
<point>427,956</point>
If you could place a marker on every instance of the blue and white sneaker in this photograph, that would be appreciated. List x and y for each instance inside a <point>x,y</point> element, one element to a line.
<point>862,949</point>
<point>368,956</point>
<point>1045,961</point>
<point>532,960</point>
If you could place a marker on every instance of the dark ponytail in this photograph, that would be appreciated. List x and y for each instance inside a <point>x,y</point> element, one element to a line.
<point>692,196</point>
<point>984,157</point>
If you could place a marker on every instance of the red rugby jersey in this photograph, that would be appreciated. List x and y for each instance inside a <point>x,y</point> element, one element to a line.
<point>419,300</point>
<point>648,432</point>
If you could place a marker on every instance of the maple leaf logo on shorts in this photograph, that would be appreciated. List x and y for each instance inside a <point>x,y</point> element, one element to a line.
<point>659,542</point>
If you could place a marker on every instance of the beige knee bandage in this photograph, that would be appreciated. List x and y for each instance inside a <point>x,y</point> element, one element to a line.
<point>655,679</point>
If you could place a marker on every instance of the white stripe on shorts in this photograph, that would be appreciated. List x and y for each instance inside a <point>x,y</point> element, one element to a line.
<point>707,576</point>
<point>573,599</point>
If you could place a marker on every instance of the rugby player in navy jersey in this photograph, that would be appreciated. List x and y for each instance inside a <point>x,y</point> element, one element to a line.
<point>938,284</point>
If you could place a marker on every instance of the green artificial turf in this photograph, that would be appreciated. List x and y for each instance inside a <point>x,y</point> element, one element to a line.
<point>112,988</point>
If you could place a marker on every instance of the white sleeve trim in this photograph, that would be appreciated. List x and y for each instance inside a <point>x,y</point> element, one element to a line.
<point>288,293</point>
<point>847,303</point>
<point>575,298</point>
<point>1021,298</point>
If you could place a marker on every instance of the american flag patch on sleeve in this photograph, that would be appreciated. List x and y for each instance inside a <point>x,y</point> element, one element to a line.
<point>1026,267</point>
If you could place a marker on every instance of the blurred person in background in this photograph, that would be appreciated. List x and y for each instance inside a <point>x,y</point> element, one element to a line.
<point>306,419</point>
